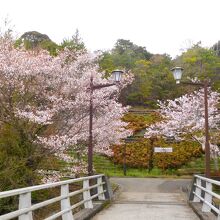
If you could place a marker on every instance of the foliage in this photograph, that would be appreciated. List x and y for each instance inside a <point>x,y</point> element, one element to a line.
<point>123,55</point>
<point>216,48</point>
<point>184,117</point>
<point>138,154</point>
<point>49,46</point>
<point>153,81</point>
<point>138,122</point>
<point>45,103</point>
<point>75,43</point>
<point>183,152</point>
<point>152,76</point>
<point>35,40</point>
<point>199,62</point>
<point>105,165</point>
<point>34,37</point>
<point>20,159</point>
<point>196,165</point>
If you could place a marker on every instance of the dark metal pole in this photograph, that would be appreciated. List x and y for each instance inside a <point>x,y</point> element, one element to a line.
<point>207,145</point>
<point>90,147</point>
<point>124,161</point>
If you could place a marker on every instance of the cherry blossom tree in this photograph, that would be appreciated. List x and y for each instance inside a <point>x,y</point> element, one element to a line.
<point>47,100</point>
<point>184,117</point>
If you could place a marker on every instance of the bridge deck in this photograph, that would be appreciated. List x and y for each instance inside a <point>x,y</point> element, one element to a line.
<point>151,199</point>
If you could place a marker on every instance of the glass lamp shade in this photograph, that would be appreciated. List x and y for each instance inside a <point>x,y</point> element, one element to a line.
<point>177,73</point>
<point>117,75</point>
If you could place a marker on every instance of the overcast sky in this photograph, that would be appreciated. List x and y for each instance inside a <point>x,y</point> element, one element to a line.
<point>162,26</point>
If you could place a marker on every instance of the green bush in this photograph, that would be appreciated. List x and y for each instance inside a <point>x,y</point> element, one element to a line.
<point>20,160</point>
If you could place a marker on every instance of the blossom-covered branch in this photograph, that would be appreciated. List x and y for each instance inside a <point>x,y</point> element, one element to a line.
<point>185,116</point>
<point>48,98</point>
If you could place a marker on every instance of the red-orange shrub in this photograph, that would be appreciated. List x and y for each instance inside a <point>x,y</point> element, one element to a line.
<point>138,154</point>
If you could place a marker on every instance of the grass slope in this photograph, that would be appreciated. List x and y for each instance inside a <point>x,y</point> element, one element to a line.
<point>104,165</point>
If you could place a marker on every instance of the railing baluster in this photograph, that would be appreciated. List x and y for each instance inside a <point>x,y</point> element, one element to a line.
<point>87,195</point>
<point>197,191</point>
<point>65,203</point>
<point>208,198</point>
<point>26,208</point>
<point>100,189</point>
<point>205,195</point>
<point>25,202</point>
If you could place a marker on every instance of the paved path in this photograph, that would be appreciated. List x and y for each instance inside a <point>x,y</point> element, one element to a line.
<point>148,199</point>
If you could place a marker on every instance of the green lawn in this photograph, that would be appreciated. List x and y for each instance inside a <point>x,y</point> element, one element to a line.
<point>103,165</point>
<point>196,166</point>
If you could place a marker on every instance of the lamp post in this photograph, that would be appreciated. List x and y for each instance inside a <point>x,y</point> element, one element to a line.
<point>177,73</point>
<point>117,77</point>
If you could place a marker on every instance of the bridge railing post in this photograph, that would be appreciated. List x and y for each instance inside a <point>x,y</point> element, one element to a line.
<point>108,188</point>
<point>92,187</point>
<point>86,195</point>
<point>198,190</point>
<point>25,202</point>
<point>65,203</point>
<point>207,198</point>
<point>192,189</point>
<point>101,195</point>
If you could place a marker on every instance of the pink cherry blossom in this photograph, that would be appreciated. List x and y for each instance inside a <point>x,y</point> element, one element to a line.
<point>53,93</point>
<point>185,116</point>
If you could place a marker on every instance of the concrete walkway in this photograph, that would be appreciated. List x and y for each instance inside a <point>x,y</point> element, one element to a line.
<point>148,199</point>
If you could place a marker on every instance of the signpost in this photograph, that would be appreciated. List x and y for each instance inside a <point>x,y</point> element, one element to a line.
<point>163,150</point>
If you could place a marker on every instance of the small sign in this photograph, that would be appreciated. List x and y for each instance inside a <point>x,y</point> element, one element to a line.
<point>163,149</point>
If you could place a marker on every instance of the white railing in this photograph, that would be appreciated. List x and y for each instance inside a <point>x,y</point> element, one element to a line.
<point>25,206</point>
<point>202,192</point>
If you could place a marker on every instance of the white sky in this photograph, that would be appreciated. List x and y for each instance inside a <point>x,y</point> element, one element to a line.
<point>162,26</point>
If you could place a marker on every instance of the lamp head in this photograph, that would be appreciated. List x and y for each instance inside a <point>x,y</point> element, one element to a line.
<point>117,75</point>
<point>177,73</point>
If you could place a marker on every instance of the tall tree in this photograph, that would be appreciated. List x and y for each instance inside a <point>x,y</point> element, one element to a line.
<point>44,100</point>
<point>35,40</point>
<point>74,43</point>
<point>199,62</point>
<point>216,48</point>
<point>184,118</point>
<point>124,55</point>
